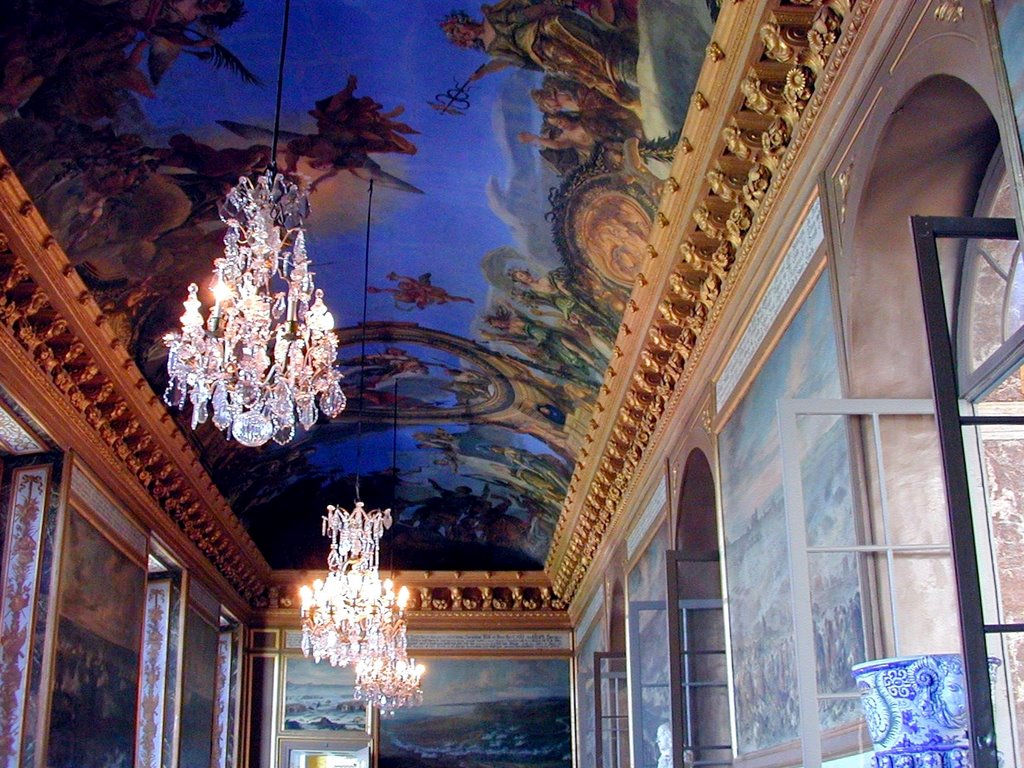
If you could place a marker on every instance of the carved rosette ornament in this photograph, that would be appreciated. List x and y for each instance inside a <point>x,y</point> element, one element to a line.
<point>798,52</point>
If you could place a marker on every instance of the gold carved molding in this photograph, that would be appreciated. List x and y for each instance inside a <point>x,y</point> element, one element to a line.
<point>46,311</point>
<point>453,599</point>
<point>792,61</point>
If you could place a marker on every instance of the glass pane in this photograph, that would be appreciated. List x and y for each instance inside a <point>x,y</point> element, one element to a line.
<point>909,470</point>
<point>837,610</point>
<point>917,606</point>
<point>1002,469</point>
<point>653,646</point>
<point>706,716</point>
<point>1008,693</point>
<point>835,712</point>
<point>615,744</point>
<point>832,710</point>
<point>1015,303</point>
<point>655,714</point>
<point>703,629</point>
<point>613,686</point>
<point>698,579</point>
<point>705,668</point>
<point>988,264</point>
<point>824,450</point>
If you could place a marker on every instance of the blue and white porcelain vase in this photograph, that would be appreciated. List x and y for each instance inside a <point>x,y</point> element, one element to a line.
<point>916,711</point>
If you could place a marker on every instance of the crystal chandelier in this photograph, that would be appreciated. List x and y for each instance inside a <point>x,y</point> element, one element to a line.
<point>352,617</point>
<point>386,677</point>
<point>342,614</point>
<point>265,357</point>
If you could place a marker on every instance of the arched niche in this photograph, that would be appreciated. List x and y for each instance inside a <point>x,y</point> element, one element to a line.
<point>697,526</point>
<point>930,159</point>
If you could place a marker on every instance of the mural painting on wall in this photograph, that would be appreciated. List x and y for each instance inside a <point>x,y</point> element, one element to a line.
<point>803,365</point>
<point>199,670</point>
<point>518,150</point>
<point>480,713</point>
<point>96,662</point>
<point>319,697</point>
<point>649,647</point>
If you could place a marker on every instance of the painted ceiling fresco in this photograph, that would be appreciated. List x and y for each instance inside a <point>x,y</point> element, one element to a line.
<point>517,151</point>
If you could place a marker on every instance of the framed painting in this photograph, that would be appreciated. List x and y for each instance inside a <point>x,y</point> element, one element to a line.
<point>200,664</point>
<point>320,699</point>
<point>482,712</point>
<point>96,659</point>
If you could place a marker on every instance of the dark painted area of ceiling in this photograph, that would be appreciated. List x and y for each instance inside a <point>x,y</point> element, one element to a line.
<point>510,216</point>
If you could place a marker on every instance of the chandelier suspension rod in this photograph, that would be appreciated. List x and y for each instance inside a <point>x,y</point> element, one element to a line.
<point>280,84</point>
<point>362,350</point>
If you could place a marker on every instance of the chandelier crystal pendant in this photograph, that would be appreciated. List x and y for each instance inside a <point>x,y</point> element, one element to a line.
<point>386,677</point>
<point>266,356</point>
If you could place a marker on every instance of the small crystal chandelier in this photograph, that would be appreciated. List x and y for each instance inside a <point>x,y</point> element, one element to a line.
<point>265,357</point>
<point>386,677</point>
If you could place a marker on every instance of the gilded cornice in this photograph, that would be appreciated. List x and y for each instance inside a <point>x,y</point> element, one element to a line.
<point>48,312</point>
<point>768,72</point>
<point>453,599</point>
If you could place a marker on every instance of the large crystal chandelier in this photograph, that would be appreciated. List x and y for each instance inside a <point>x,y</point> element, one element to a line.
<point>342,614</point>
<point>265,357</point>
<point>354,618</point>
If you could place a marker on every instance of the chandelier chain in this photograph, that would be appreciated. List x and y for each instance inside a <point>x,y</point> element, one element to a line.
<point>280,83</point>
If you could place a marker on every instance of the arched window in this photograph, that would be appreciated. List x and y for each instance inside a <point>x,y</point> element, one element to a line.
<point>701,729</point>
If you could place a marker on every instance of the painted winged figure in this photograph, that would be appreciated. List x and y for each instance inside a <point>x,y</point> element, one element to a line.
<point>349,130</point>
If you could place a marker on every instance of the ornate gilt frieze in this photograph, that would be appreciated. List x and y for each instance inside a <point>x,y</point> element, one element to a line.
<point>792,62</point>
<point>30,316</point>
<point>455,598</point>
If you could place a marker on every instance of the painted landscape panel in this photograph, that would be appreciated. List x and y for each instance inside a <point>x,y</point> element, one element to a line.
<point>484,713</point>
<point>319,697</point>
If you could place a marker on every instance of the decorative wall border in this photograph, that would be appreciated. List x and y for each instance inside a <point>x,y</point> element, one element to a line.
<point>153,680</point>
<point>790,67</point>
<point>794,264</point>
<point>472,640</point>
<point>21,570</point>
<point>15,437</point>
<point>643,526</point>
<point>222,700</point>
